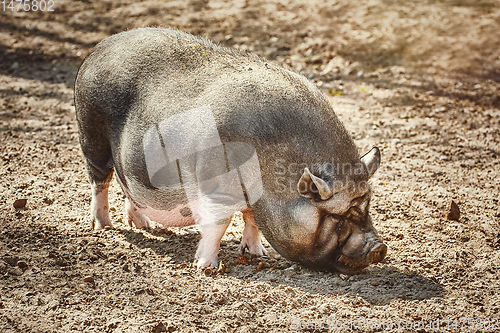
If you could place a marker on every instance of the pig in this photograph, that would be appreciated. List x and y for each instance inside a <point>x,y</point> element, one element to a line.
<point>195,132</point>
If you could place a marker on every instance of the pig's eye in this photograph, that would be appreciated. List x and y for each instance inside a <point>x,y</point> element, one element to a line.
<point>355,214</point>
<point>358,211</point>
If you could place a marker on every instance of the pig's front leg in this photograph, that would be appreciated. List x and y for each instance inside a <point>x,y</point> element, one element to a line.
<point>251,239</point>
<point>140,221</point>
<point>208,249</point>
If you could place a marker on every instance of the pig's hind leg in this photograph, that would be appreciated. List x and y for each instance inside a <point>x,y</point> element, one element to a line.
<point>96,148</point>
<point>251,239</point>
<point>99,207</point>
<point>100,178</point>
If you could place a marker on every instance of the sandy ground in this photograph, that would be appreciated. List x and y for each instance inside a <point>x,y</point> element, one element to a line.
<point>419,79</point>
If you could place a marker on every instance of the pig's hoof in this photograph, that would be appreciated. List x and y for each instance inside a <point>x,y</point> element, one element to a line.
<point>204,258</point>
<point>205,263</point>
<point>254,247</point>
<point>102,223</point>
<point>140,221</point>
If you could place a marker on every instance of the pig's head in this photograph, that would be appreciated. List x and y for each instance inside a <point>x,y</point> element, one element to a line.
<point>329,227</point>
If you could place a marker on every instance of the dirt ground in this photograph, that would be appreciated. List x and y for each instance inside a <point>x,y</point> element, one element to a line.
<point>419,79</point>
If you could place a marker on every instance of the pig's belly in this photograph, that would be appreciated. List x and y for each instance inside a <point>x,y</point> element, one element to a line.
<point>180,216</point>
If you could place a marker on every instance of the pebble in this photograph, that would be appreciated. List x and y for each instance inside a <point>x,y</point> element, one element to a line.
<point>374,283</point>
<point>453,213</point>
<point>88,279</point>
<point>444,158</point>
<point>222,269</point>
<point>261,266</point>
<point>22,264</point>
<point>20,203</point>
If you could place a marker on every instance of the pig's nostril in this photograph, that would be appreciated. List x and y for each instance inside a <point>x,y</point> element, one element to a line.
<point>378,253</point>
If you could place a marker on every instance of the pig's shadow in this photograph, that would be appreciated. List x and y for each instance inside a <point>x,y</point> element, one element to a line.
<point>378,284</point>
<point>181,248</point>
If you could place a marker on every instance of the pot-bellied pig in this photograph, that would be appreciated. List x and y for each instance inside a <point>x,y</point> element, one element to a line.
<point>195,132</point>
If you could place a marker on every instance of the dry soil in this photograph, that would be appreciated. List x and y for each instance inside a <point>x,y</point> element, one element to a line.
<point>419,79</point>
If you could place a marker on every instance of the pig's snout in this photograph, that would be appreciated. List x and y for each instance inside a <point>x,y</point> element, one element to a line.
<point>377,253</point>
<point>360,250</point>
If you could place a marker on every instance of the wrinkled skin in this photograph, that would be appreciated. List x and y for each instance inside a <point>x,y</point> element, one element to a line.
<point>333,233</point>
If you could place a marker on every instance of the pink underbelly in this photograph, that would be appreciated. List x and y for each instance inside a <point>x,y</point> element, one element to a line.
<point>180,216</point>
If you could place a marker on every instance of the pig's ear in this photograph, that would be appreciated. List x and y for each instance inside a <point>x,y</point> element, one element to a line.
<point>310,186</point>
<point>371,160</point>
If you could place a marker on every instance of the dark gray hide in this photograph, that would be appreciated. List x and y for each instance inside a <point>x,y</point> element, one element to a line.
<point>314,204</point>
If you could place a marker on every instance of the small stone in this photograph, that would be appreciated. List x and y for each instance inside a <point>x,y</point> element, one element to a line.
<point>222,268</point>
<point>444,158</point>
<point>14,66</point>
<point>88,279</point>
<point>126,268</point>
<point>20,203</point>
<point>22,264</point>
<point>453,213</point>
<point>261,266</point>
<point>374,283</point>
